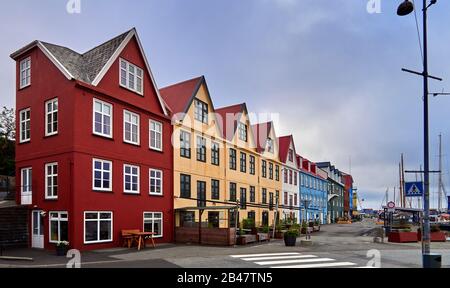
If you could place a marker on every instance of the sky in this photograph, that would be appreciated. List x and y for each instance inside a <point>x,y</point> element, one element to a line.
<point>331,70</point>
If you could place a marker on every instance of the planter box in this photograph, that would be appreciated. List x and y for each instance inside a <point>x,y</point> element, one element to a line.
<point>279,235</point>
<point>435,236</point>
<point>263,237</point>
<point>246,239</point>
<point>344,222</point>
<point>403,237</point>
<point>316,228</point>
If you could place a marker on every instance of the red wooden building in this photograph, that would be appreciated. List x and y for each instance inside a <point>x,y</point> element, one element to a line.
<point>94,152</point>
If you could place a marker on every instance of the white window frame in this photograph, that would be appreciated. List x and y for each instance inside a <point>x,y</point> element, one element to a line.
<point>137,124</point>
<point>160,133</point>
<point>131,76</point>
<point>131,191</point>
<point>111,116</point>
<point>243,132</point>
<point>98,227</point>
<point>110,172</point>
<point>47,176</point>
<point>59,220</point>
<point>152,219</point>
<point>25,81</point>
<point>52,116</point>
<point>25,121</point>
<point>26,194</point>
<point>161,179</point>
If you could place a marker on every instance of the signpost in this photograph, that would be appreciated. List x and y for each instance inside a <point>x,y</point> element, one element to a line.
<point>414,189</point>
<point>391,207</point>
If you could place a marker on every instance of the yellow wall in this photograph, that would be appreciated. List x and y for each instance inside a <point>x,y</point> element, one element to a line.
<point>201,171</point>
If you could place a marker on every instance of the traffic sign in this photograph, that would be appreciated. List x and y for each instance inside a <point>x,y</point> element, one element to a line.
<point>391,207</point>
<point>414,189</point>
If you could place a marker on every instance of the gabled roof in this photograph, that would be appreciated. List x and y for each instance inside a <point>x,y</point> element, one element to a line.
<point>91,66</point>
<point>180,96</point>
<point>224,123</point>
<point>284,144</point>
<point>261,132</point>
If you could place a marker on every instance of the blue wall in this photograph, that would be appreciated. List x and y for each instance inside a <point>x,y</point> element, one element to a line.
<point>313,188</point>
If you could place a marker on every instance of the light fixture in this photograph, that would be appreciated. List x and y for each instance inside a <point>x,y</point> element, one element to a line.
<point>405,8</point>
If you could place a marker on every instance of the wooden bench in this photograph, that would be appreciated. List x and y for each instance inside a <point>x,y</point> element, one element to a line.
<point>129,237</point>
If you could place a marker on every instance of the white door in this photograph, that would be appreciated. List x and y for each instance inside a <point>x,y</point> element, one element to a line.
<point>37,237</point>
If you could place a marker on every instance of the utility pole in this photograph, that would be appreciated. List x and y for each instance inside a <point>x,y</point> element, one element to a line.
<point>440,175</point>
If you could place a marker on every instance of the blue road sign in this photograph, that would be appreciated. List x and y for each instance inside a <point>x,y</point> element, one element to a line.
<point>414,189</point>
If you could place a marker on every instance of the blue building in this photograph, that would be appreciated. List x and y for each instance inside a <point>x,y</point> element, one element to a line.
<point>313,192</point>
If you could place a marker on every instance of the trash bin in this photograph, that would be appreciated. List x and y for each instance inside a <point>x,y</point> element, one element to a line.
<point>432,260</point>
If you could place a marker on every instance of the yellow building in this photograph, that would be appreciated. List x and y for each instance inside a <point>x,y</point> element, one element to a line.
<point>222,164</point>
<point>199,158</point>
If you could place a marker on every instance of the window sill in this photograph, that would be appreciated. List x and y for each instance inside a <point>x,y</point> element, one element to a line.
<point>24,87</point>
<point>103,136</point>
<point>132,144</point>
<point>132,193</point>
<point>132,91</point>
<point>24,142</point>
<point>103,191</point>
<point>156,195</point>
<point>50,135</point>
<point>156,150</point>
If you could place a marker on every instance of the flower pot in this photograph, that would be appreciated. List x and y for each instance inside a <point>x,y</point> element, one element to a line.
<point>61,250</point>
<point>290,240</point>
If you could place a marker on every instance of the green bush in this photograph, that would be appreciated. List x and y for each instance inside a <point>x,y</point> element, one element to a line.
<point>248,223</point>
<point>291,233</point>
<point>265,229</point>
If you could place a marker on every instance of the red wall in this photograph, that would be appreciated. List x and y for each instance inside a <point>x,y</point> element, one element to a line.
<point>75,146</point>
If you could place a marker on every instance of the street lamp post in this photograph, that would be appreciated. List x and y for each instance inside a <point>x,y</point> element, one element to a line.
<point>406,8</point>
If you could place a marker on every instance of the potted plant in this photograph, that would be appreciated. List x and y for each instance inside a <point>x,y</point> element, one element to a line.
<point>278,231</point>
<point>290,237</point>
<point>304,227</point>
<point>61,248</point>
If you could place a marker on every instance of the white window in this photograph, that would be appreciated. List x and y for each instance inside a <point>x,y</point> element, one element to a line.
<point>25,72</point>
<point>131,76</point>
<point>131,127</point>
<point>98,227</point>
<point>153,222</point>
<point>131,179</point>
<point>51,117</point>
<point>102,175</point>
<point>51,181</point>
<point>156,182</point>
<point>59,229</point>
<point>26,186</point>
<point>243,132</point>
<point>156,135</point>
<point>270,145</point>
<point>201,111</point>
<point>103,117</point>
<point>25,120</point>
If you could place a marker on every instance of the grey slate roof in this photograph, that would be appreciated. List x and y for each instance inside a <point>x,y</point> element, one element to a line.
<point>85,67</point>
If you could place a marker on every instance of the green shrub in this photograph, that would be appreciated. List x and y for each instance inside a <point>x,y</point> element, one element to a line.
<point>292,233</point>
<point>248,223</point>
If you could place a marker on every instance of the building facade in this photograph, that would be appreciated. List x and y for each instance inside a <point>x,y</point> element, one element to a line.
<point>93,156</point>
<point>313,192</point>
<point>290,178</point>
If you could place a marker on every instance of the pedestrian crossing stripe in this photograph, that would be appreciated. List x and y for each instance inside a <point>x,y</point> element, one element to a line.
<point>292,260</point>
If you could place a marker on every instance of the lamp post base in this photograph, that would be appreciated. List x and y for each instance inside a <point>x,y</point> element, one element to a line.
<point>432,260</point>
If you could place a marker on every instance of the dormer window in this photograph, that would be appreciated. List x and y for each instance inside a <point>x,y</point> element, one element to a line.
<point>291,155</point>
<point>25,72</point>
<point>243,132</point>
<point>201,111</point>
<point>131,77</point>
<point>270,145</point>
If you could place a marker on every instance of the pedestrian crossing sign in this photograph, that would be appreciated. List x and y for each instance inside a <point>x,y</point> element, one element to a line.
<point>414,189</point>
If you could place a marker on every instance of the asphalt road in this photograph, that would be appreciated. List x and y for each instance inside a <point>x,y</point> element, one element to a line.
<point>343,246</point>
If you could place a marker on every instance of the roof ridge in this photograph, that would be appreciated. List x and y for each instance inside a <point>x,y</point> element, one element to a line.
<point>182,82</point>
<point>105,42</point>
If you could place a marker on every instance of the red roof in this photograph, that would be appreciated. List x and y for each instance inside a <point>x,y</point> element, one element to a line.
<point>228,125</point>
<point>261,133</point>
<point>284,143</point>
<point>179,96</point>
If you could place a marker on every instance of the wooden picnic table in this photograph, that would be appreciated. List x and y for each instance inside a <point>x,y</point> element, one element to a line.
<point>142,236</point>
